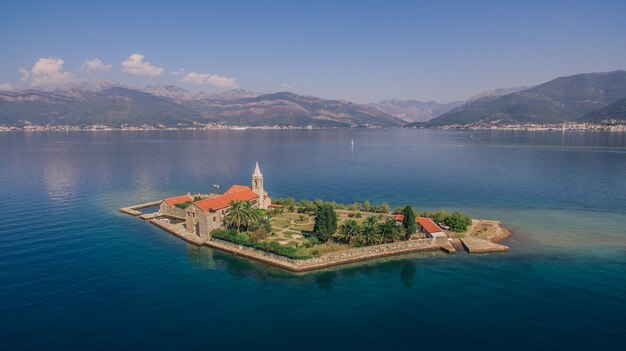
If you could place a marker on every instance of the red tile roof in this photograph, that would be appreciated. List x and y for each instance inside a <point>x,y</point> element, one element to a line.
<point>426,223</point>
<point>178,200</point>
<point>237,188</point>
<point>223,201</point>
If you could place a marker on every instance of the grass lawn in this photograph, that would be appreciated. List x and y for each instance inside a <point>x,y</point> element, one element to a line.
<point>289,229</point>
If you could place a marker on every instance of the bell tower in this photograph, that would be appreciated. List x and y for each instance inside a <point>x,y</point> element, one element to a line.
<point>257,184</point>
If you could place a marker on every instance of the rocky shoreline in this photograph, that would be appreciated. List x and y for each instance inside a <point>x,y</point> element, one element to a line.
<point>327,260</point>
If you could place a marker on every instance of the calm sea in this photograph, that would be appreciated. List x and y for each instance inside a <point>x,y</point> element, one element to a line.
<point>77,274</point>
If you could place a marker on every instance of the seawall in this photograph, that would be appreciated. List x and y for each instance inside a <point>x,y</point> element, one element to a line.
<point>323,261</point>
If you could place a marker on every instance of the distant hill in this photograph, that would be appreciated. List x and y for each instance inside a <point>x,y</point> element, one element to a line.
<point>613,113</point>
<point>562,99</point>
<point>111,107</point>
<point>180,94</point>
<point>287,109</point>
<point>174,107</point>
<point>414,110</point>
<point>493,94</point>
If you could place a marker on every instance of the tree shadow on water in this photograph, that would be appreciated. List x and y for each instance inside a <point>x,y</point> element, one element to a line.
<point>403,267</point>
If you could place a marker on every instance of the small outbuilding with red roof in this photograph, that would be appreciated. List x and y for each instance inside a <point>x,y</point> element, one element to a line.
<point>426,225</point>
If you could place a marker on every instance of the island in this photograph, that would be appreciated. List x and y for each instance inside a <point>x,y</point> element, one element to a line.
<point>308,235</point>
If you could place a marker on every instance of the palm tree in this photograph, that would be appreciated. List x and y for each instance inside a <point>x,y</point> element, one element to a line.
<point>369,231</point>
<point>348,231</point>
<point>241,215</point>
<point>390,230</point>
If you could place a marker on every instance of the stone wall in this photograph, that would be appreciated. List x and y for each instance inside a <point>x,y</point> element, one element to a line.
<point>333,258</point>
<point>172,211</point>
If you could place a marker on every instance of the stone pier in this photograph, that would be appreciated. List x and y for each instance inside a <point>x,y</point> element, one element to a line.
<point>475,245</point>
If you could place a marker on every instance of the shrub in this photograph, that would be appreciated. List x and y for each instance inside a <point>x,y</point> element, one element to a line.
<point>358,215</point>
<point>366,206</point>
<point>384,207</point>
<point>273,247</point>
<point>312,241</point>
<point>438,216</point>
<point>458,221</point>
<point>259,235</point>
<point>184,204</point>
<point>287,201</point>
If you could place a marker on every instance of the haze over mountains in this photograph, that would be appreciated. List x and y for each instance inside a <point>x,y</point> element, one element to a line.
<point>591,97</point>
<point>565,99</point>
<point>114,105</point>
<point>414,110</point>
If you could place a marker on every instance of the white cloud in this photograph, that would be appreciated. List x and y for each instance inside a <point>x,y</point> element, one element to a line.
<point>288,87</point>
<point>212,79</point>
<point>47,72</point>
<point>178,72</point>
<point>95,65</point>
<point>25,74</point>
<point>135,64</point>
<point>6,86</point>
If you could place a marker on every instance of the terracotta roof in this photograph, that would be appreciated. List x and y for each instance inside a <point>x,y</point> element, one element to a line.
<point>223,201</point>
<point>178,200</point>
<point>426,223</point>
<point>236,188</point>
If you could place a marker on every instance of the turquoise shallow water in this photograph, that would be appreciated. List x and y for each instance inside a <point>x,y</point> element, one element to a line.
<point>75,273</point>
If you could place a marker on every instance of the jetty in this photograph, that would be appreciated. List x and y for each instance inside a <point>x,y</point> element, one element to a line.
<point>134,209</point>
<point>476,245</point>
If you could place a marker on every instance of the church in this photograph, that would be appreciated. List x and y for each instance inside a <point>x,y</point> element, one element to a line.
<point>207,214</point>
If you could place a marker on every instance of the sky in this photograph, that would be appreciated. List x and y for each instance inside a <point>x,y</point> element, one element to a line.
<point>361,51</point>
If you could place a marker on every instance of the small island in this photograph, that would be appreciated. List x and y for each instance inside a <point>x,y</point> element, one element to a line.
<point>307,235</point>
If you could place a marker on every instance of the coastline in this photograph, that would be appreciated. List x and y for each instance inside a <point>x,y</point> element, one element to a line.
<point>563,127</point>
<point>337,258</point>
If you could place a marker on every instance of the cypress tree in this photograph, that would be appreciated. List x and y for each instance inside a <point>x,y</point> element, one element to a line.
<point>325,222</point>
<point>408,222</point>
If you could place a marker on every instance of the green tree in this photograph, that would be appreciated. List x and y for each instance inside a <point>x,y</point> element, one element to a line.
<point>307,206</point>
<point>369,232</point>
<point>366,206</point>
<point>349,231</point>
<point>241,215</point>
<point>458,221</point>
<point>384,207</point>
<point>408,222</point>
<point>262,223</point>
<point>325,222</point>
<point>439,215</point>
<point>390,230</point>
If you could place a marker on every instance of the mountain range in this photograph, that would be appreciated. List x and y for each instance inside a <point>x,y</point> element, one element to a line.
<point>114,105</point>
<point>592,97</point>
<point>578,98</point>
<point>414,110</point>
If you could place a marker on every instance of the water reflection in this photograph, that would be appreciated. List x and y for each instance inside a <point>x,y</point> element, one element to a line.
<point>404,267</point>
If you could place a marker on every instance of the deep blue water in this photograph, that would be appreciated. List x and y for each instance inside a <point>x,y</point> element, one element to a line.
<point>77,274</point>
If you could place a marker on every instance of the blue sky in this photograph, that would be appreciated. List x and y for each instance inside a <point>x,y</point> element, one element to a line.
<point>362,51</point>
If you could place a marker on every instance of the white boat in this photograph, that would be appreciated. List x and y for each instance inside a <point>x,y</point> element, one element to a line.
<point>216,186</point>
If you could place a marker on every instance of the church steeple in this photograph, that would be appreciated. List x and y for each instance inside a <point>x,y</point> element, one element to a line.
<point>257,171</point>
<point>257,181</point>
